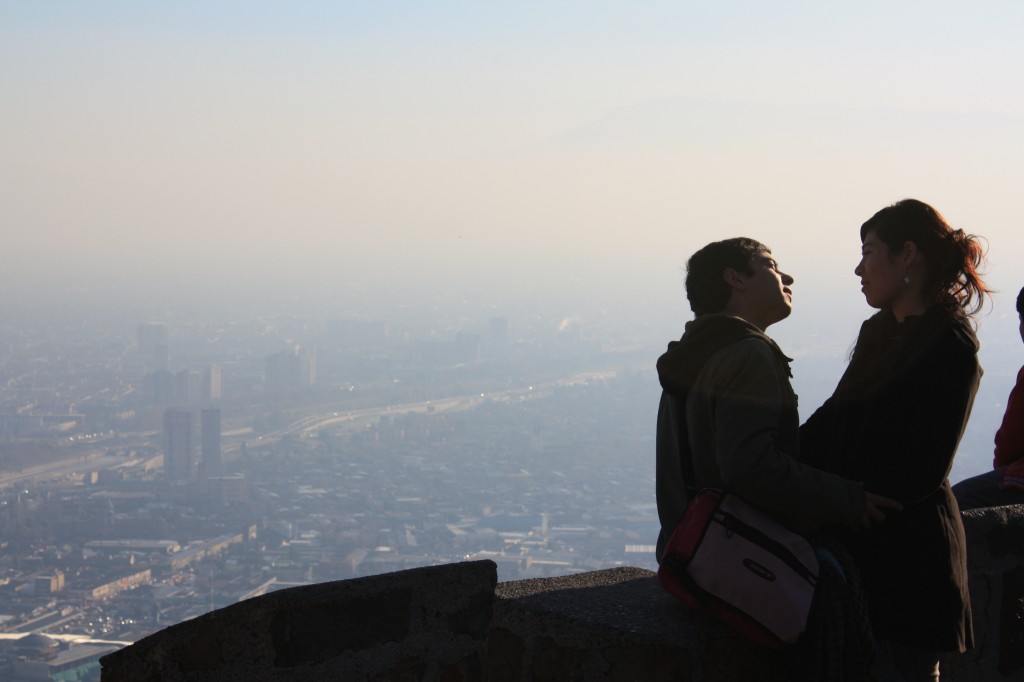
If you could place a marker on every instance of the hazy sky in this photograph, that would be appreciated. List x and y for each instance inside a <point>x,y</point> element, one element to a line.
<point>267,143</point>
<point>570,153</point>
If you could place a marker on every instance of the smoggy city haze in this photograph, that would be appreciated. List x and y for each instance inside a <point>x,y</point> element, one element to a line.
<point>345,158</point>
<point>308,291</point>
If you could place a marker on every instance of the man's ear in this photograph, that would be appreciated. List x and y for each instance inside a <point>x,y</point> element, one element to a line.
<point>733,278</point>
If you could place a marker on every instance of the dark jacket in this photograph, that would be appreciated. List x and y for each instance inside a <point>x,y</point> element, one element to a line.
<point>728,406</point>
<point>894,422</point>
<point>1010,436</point>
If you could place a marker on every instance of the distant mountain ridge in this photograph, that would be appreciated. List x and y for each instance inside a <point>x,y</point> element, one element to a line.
<point>695,123</point>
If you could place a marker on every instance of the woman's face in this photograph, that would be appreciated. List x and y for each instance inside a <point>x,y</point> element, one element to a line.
<point>881,275</point>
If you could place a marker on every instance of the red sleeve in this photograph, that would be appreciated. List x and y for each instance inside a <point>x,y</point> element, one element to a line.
<point>1010,436</point>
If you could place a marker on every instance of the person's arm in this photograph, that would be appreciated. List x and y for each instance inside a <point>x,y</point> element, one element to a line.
<point>1010,436</point>
<point>750,395</point>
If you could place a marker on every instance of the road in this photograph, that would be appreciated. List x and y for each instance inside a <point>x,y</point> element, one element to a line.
<point>307,426</point>
<point>70,467</point>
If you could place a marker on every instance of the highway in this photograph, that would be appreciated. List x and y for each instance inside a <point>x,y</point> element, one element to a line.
<point>77,465</point>
<point>309,425</point>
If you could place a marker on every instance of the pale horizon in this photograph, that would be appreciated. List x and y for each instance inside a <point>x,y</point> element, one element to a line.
<point>344,157</point>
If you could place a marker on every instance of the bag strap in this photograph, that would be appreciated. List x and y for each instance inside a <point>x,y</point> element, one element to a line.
<point>680,572</point>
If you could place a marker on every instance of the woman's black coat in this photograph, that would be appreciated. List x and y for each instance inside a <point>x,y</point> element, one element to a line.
<point>894,422</point>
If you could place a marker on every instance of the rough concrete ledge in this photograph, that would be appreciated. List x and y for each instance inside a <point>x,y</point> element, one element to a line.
<point>995,566</point>
<point>421,624</point>
<point>617,624</point>
<point>455,623</point>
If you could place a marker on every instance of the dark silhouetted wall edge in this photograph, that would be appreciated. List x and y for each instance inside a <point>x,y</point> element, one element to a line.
<point>455,622</point>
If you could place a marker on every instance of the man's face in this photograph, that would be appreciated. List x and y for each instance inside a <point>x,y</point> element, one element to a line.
<point>770,290</point>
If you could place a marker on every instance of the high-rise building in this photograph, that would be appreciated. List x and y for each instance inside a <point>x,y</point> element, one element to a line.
<point>212,383</point>
<point>210,440</point>
<point>179,457</point>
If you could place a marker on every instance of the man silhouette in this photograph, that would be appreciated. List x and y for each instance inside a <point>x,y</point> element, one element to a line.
<point>728,410</point>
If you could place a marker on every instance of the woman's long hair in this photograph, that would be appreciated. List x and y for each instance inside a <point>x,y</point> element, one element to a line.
<point>952,256</point>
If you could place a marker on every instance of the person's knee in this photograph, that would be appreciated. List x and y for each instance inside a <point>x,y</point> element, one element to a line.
<point>979,491</point>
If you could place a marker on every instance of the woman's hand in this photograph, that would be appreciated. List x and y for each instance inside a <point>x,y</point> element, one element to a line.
<point>876,507</point>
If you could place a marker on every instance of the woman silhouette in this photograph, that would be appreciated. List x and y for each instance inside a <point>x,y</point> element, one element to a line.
<point>894,422</point>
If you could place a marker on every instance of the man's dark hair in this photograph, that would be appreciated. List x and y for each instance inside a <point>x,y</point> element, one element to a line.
<point>706,289</point>
<point>1020,302</point>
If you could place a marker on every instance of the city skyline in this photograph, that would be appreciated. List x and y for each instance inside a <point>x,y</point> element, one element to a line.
<point>307,292</point>
<point>519,435</point>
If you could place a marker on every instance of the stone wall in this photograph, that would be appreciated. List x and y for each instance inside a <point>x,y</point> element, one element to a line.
<point>455,622</point>
<point>424,624</point>
<point>995,564</point>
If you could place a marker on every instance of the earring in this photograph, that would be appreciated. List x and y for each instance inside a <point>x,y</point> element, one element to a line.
<point>906,279</point>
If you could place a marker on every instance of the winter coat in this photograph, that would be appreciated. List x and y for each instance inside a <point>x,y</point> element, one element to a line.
<point>894,422</point>
<point>728,399</point>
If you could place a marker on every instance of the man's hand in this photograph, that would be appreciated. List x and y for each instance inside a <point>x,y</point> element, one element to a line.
<point>876,507</point>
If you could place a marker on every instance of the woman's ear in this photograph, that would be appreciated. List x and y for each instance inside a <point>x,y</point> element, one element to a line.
<point>909,252</point>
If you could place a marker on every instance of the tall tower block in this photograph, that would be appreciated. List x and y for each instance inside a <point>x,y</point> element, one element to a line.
<point>211,442</point>
<point>179,457</point>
